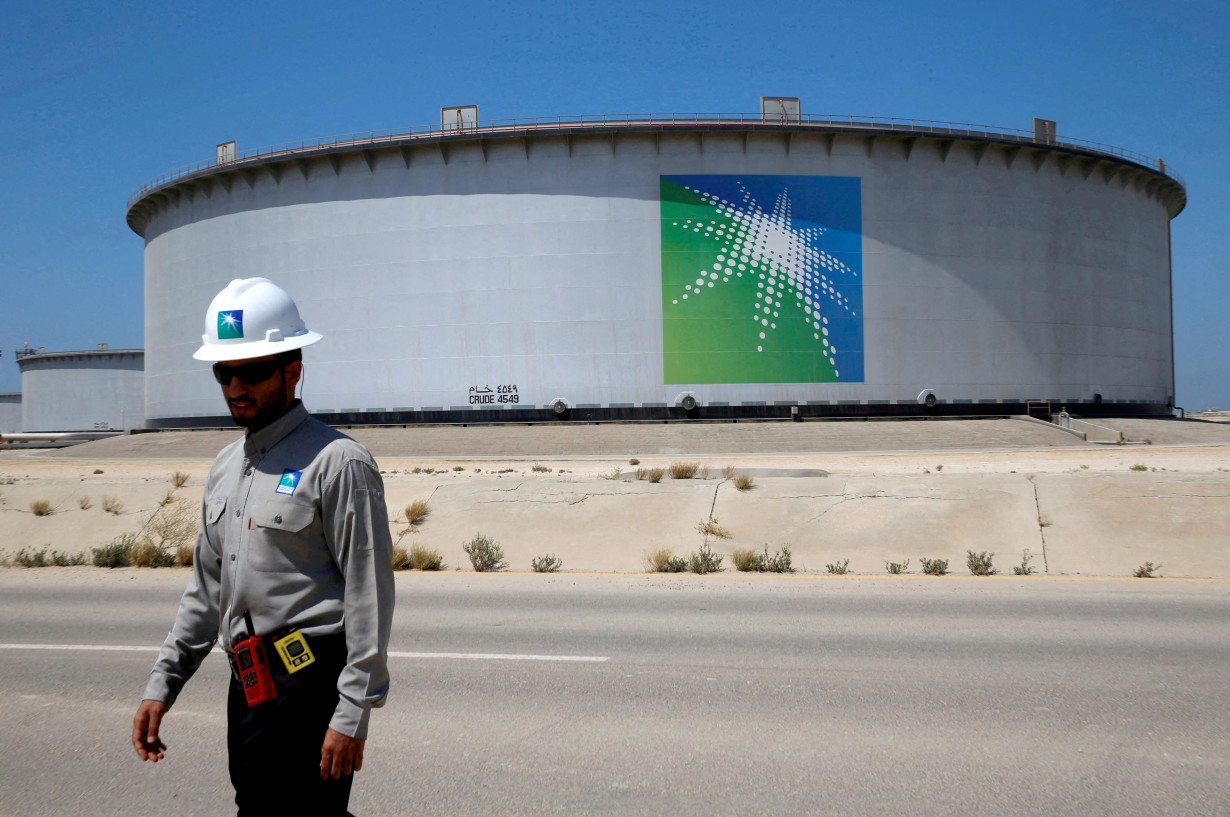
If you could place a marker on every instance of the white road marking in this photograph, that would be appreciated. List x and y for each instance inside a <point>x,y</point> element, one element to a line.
<point>494,656</point>
<point>456,656</point>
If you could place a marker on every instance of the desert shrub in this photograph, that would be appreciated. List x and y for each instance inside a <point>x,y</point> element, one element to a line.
<point>84,503</point>
<point>41,507</point>
<point>744,481</point>
<point>729,472</point>
<point>98,470</point>
<point>634,461</point>
<point>485,554</point>
<point>683,470</point>
<point>838,568</point>
<point>1146,571</point>
<point>179,479</point>
<point>116,553</point>
<point>146,554</point>
<point>546,564</point>
<point>662,560</point>
<point>934,567</point>
<point>939,468</point>
<point>540,469</point>
<point>401,558</point>
<point>655,474</point>
<point>112,504</point>
<point>1024,568</point>
<point>980,563</point>
<point>750,560</point>
<point>704,561</point>
<point>416,470</point>
<point>168,530</point>
<point>425,558</point>
<point>704,471</point>
<point>417,511</point>
<point>184,555</point>
<point>1138,467</point>
<point>28,557</point>
<point>897,568</point>
<point>711,527</point>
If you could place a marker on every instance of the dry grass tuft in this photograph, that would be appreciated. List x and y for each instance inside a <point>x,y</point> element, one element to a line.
<point>146,554</point>
<point>179,479</point>
<point>417,511</point>
<point>41,507</point>
<point>745,559</point>
<point>111,504</point>
<point>655,474</point>
<point>729,472</point>
<point>712,528</point>
<point>425,558</point>
<point>656,560</point>
<point>84,503</point>
<point>744,481</point>
<point>683,470</point>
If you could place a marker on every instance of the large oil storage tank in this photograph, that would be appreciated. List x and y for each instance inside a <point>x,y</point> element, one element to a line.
<point>661,266</point>
<point>94,390</point>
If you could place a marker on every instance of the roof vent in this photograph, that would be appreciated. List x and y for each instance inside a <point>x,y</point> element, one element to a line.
<point>459,118</point>
<point>780,110</point>
<point>1044,131</point>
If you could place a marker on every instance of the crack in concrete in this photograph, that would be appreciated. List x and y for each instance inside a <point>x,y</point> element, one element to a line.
<point>1165,496</point>
<point>1046,566</point>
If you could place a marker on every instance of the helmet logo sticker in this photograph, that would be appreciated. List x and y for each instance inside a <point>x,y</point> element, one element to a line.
<point>230,324</point>
<point>289,481</point>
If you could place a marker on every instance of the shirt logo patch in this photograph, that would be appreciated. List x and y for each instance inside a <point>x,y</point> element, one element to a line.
<point>289,482</point>
<point>230,324</point>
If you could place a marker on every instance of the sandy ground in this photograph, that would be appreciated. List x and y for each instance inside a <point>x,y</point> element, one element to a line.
<point>1079,509</point>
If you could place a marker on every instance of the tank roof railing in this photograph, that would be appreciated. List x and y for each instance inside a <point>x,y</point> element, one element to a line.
<point>929,127</point>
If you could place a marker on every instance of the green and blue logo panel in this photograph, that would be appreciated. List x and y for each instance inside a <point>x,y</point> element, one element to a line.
<point>289,482</point>
<point>230,324</point>
<point>762,279</point>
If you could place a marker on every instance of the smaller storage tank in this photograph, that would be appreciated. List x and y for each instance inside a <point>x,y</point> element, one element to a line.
<point>10,412</point>
<point>98,390</point>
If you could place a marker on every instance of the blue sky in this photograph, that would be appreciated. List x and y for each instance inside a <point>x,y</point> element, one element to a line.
<point>97,98</point>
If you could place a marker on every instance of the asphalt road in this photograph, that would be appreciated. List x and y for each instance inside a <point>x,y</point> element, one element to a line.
<point>719,695</point>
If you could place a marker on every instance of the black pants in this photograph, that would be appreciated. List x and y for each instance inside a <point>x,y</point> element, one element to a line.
<point>275,746</point>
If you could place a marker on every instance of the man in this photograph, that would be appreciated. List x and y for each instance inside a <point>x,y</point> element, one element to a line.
<point>294,548</point>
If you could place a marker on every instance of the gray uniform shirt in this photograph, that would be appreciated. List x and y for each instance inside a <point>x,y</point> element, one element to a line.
<point>293,529</point>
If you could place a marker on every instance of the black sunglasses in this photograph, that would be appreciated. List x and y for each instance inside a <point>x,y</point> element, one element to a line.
<point>249,374</point>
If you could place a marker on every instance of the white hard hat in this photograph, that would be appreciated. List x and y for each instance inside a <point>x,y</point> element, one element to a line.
<point>252,317</point>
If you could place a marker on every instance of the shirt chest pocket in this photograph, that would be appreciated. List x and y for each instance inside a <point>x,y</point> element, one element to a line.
<point>214,509</point>
<point>286,538</point>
